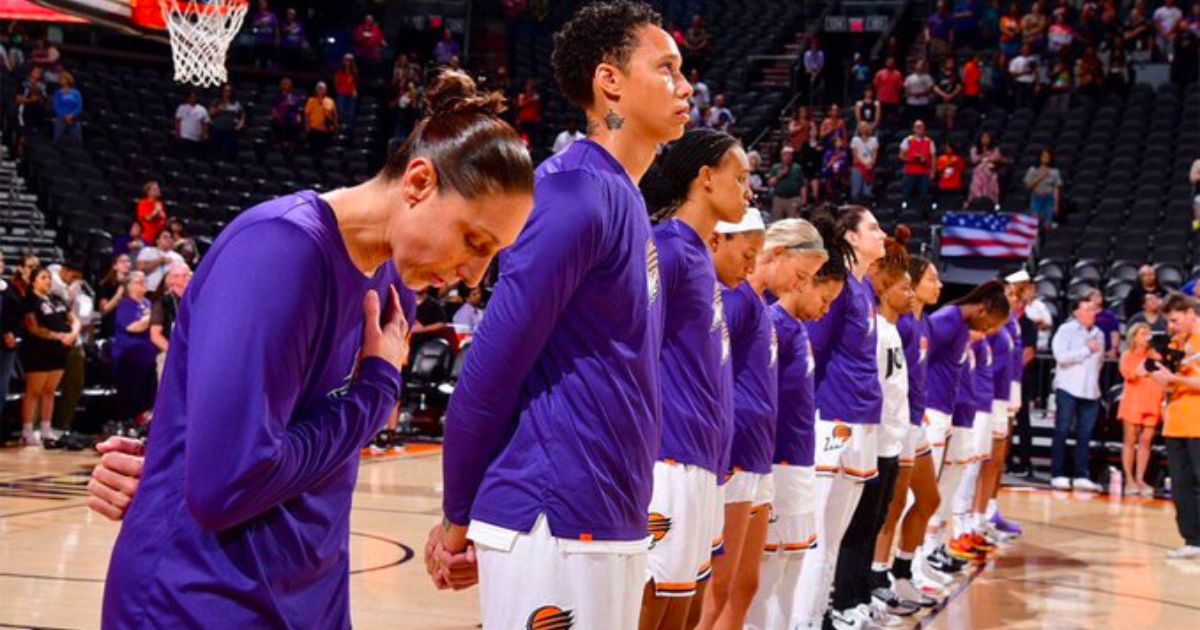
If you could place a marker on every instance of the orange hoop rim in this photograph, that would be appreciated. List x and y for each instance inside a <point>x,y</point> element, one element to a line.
<point>149,13</point>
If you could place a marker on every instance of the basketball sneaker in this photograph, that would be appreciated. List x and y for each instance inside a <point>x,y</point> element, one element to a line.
<point>1083,484</point>
<point>1005,526</point>
<point>942,561</point>
<point>908,592</point>
<point>981,542</point>
<point>996,535</point>
<point>963,548</point>
<point>893,604</point>
<point>852,619</point>
<point>1061,483</point>
<point>879,615</point>
<point>30,439</point>
<point>1186,552</point>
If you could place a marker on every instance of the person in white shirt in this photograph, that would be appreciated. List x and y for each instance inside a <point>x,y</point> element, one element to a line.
<point>568,137</point>
<point>191,125</point>
<point>864,146</point>
<point>699,90</point>
<point>1023,70</point>
<point>467,317</point>
<point>719,116</point>
<point>155,261</point>
<point>918,92</point>
<point>1079,353</point>
<point>1166,25</point>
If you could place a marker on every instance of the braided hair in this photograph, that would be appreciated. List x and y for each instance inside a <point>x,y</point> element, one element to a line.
<point>666,185</point>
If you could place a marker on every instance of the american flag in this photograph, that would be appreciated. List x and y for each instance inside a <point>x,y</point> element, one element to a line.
<point>988,235</point>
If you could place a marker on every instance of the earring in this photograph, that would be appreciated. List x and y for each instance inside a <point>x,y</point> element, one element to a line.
<point>613,121</point>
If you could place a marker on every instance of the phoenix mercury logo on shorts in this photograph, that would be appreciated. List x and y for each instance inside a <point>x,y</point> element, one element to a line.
<point>839,438</point>
<point>550,618</point>
<point>660,525</point>
<point>652,270</point>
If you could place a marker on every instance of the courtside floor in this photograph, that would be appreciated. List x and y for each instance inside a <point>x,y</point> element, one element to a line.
<point>1083,563</point>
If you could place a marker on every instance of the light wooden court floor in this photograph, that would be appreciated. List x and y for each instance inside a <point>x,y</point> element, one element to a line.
<point>1083,563</point>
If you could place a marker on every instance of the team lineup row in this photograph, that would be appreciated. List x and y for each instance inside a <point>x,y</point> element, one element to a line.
<point>645,405</point>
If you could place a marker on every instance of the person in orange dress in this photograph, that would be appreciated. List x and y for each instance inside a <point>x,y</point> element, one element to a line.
<point>1140,410</point>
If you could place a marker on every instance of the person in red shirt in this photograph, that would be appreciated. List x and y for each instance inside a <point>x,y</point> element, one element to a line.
<point>151,213</point>
<point>920,156</point>
<point>529,110</point>
<point>345,87</point>
<point>950,168</point>
<point>889,85</point>
<point>369,42</point>
<point>972,78</point>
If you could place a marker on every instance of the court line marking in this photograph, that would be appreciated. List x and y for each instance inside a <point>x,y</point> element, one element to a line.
<point>1082,530</point>
<point>27,627</point>
<point>1047,582</point>
<point>41,510</point>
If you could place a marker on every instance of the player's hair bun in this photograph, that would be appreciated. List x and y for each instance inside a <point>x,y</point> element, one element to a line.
<point>454,92</point>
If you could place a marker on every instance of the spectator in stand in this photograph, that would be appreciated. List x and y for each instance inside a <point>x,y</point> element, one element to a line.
<point>191,126</point>
<point>812,166</point>
<point>1119,76</point>
<point>985,179</point>
<point>867,109</point>
<point>68,107</point>
<point>787,183</point>
<point>989,24</point>
<point>46,56</point>
<point>155,261</point>
<point>1138,35</point>
<point>446,49</point>
<point>1140,410</point>
<point>918,93</point>
<point>292,41</point>
<point>183,243</point>
<point>758,185</point>
<point>228,119</point>
<point>1060,36</point>
<point>1023,74</point>
<point>814,70</point>
<point>677,34</point>
<point>1044,184</point>
<point>345,87</point>
<point>1151,315</point>
<point>1192,21</point>
<point>133,353</point>
<point>408,111</point>
<point>697,43</point>
<point>529,110</point>
<point>835,170</point>
<point>833,127</point>
<point>889,84</point>
<point>31,109</point>
<point>265,29</point>
<point>949,90</point>
<point>69,286</point>
<point>799,128</point>
<point>972,82</point>
<point>1089,73</point>
<point>967,15</point>
<point>950,169</point>
<point>1185,65</point>
<point>110,293</point>
<point>919,155</point>
<point>52,330</point>
<point>865,149</point>
<point>22,278</point>
<point>1062,84</point>
<point>571,135</point>
<point>719,116</point>
<point>405,73</point>
<point>1090,31</point>
<point>124,243</point>
<point>320,119</point>
<point>369,43</point>
<point>939,31</point>
<point>151,213</point>
<point>1194,178</point>
<point>1010,30</point>
<point>1108,323</point>
<point>12,311</point>
<point>164,311</point>
<point>286,116</point>
<point>1034,26</point>
<point>1079,352</point>
<point>1167,19</point>
<point>700,94</point>
<point>996,83</point>
<point>860,76</point>
<point>468,317</point>
<point>1147,283</point>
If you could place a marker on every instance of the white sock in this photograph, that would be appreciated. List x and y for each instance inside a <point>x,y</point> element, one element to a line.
<point>880,567</point>
<point>992,508</point>
<point>26,430</point>
<point>47,430</point>
<point>980,521</point>
<point>904,555</point>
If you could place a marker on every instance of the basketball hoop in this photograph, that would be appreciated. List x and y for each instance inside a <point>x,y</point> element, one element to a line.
<point>200,33</point>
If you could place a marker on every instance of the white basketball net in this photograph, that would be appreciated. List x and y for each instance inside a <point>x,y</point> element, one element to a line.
<point>201,32</point>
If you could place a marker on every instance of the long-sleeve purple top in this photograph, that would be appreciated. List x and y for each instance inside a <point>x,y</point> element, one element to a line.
<point>558,408</point>
<point>949,337</point>
<point>1016,369</point>
<point>755,379</point>
<point>964,403</point>
<point>695,345</point>
<point>914,334</point>
<point>844,348</point>
<point>983,383</point>
<point>242,518</point>
<point>795,432</point>
<point>1002,346</point>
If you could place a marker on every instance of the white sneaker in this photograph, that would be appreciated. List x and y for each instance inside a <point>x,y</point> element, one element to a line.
<point>30,439</point>
<point>1083,484</point>
<point>1186,552</point>
<point>923,570</point>
<point>1061,483</point>
<point>851,619</point>
<point>877,612</point>
<point>907,591</point>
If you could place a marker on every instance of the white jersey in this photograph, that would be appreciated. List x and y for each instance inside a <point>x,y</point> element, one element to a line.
<point>893,380</point>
